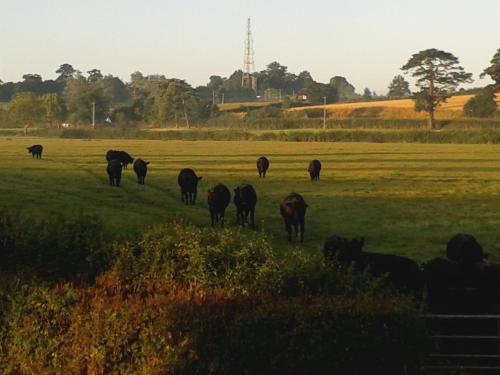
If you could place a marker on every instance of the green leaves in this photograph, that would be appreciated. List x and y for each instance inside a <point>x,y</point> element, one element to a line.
<point>399,88</point>
<point>481,105</point>
<point>494,70</point>
<point>438,74</point>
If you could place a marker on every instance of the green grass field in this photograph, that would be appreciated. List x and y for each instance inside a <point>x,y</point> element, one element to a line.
<point>407,199</point>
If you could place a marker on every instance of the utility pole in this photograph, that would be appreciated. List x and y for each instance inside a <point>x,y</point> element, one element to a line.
<point>222,98</point>
<point>93,115</point>
<point>324,112</point>
<point>213,97</point>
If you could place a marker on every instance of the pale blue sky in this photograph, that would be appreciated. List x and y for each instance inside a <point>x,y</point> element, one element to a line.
<point>366,41</point>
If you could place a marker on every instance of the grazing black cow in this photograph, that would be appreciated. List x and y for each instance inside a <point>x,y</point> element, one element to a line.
<point>403,273</point>
<point>188,182</point>
<point>314,169</point>
<point>218,200</point>
<point>262,166</point>
<point>114,172</point>
<point>35,151</point>
<point>122,156</point>
<point>245,199</point>
<point>141,169</point>
<point>293,209</point>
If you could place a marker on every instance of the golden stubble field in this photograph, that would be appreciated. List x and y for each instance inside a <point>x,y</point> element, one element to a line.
<point>406,199</point>
<point>393,109</point>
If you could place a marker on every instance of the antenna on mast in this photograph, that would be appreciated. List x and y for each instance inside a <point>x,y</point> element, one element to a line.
<point>248,80</point>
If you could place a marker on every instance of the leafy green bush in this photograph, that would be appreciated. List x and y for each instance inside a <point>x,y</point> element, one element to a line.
<point>158,327</point>
<point>34,324</point>
<point>54,248</point>
<point>264,113</point>
<point>481,105</point>
<point>203,258</point>
<point>185,300</point>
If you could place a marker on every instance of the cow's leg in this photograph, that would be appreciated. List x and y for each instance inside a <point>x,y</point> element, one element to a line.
<point>212,217</point>
<point>302,230</point>
<point>110,181</point>
<point>118,180</point>
<point>296,227</point>
<point>288,228</point>
<point>222,216</point>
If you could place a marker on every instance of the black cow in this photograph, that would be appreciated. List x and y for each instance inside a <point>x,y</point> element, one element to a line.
<point>122,156</point>
<point>114,170</point>
<point>245,199</point>
<point>465,282</point>
<point>141,169</point>
<point>403,273</point>
<point>464,249</point>
<point>262,166</point>
<point>293,209</point>
<point>188,182</point>
<point>314,169</point>
<point>35,151</point>
<point>218,200</point>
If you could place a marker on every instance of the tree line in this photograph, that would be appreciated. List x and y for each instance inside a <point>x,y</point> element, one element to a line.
<point>154,99</point>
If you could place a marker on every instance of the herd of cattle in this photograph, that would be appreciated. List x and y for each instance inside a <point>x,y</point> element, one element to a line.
<point>463,282</point>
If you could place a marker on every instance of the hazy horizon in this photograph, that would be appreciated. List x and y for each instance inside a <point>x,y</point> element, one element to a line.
<point>365,42</point>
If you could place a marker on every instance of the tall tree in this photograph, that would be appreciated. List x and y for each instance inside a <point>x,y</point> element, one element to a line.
<point>172,99</point>
<point>494,70</point>
<point>65,71</point>
<point>438,74</point>
<point>482,105</point>
<point>25,109</point>
<point>367,94</point>
<point>399,88</point>
<point>345,90</point>
<point>53,106</point>
<point>115,89</point>
<point>215,83</point>
<point>79,96</point>
<point>94,75</point>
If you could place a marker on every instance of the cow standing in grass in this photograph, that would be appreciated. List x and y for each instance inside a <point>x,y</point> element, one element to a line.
<point>188,182</point>
<point>314,169</point>
<point>262,166</point>
<point>35,151</point>
<point>218,200</point>
<point>293,210</point>
<point>141,169</point>
<point>124,157</point>
<point>114,170</point>
<point>245,199</point>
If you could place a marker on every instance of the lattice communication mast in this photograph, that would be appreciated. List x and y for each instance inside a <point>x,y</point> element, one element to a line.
<point>248,80</point>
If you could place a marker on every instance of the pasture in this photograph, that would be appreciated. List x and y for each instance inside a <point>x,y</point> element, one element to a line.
<point>406,199</point>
